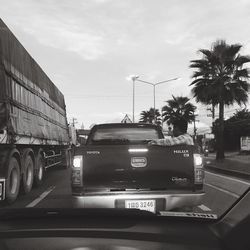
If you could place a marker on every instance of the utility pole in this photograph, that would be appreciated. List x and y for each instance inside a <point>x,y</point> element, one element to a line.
<point>154,104</point>
<point>74,121</point>
<point>195,128</point>
<point>212,110</point>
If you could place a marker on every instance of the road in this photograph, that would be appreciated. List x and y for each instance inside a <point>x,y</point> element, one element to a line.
<point>55,192</point>
<point>221,192</point>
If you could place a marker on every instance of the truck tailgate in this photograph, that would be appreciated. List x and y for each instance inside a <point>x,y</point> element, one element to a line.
<point>125,167</point>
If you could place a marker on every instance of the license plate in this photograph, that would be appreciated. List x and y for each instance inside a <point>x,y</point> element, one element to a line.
<point>148,205</point>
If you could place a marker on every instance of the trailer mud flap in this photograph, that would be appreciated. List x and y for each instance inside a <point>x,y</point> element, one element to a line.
<point>2,189</point>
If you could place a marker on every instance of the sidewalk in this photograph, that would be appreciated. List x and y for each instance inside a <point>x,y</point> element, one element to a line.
<point>233,162</point>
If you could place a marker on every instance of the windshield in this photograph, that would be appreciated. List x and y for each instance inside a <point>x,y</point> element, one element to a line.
<point>134,104</point>
<point>124,135</point>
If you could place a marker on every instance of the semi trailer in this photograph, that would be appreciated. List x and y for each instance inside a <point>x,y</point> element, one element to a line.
<point>34,132</point>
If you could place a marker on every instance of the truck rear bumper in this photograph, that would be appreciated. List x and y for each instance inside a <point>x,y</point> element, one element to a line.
<point>164,200</point>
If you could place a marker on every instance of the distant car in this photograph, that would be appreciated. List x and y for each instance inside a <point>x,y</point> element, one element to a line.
<point>118,169</point>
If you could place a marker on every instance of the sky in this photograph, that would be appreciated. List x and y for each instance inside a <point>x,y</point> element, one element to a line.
<point>88,48</point>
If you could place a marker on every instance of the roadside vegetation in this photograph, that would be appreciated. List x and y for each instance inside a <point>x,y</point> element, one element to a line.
<point>220,79</point>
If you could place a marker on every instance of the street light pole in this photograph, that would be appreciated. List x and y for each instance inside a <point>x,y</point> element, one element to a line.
<point>154,85</point>
<point>154,102</point>
<point>133,100</point>
<point>133,79</point>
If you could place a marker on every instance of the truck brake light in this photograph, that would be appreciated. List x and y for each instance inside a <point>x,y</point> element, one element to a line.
<point>76,175</point>
<point>198,161</point>
<point>77,161</point>
<point>137,150</point>
<point>198,169</point>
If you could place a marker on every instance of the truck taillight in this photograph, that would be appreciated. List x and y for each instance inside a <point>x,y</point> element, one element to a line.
<point>77,161</point>
<point>76,176</point>
<point>198,169</point>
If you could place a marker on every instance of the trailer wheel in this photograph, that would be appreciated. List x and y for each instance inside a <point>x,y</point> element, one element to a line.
<point>28,174</point>
<point>13,180</point>
<point>39,174</point>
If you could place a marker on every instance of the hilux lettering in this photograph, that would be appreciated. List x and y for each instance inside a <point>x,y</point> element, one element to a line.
<point>181,151</point>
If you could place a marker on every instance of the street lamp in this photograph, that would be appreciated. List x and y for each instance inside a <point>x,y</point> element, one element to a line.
<point>136,78</point>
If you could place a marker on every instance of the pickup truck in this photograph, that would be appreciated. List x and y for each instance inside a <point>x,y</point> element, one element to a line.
<point>118,169</point>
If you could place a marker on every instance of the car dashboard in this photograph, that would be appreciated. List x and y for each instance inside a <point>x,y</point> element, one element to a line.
<point>111,232</point>
<point>124,229</point>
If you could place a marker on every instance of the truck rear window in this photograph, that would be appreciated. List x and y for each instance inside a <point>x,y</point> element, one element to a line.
<point>124,135</point>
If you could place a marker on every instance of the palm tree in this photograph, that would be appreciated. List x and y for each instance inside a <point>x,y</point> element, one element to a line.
<point>178,108</point>
<point>221,79</point>
<point>150,115</point>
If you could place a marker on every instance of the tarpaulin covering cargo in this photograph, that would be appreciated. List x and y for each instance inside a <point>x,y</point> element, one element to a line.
<point>32,109</point>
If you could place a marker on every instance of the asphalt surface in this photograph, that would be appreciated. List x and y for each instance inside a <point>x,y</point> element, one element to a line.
<point>222,191</point>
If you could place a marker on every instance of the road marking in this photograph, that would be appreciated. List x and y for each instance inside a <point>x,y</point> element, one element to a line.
<point>223,190</point>
<point>204,208</point>
<point>229,178</point>
<point>41,197</point>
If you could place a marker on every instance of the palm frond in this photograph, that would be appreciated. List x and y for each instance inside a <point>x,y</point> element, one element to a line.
<point>219,74</point>
<point>233,50</point>
<point>205,52</point>
<point>242,73</point>
<point>241,60</point>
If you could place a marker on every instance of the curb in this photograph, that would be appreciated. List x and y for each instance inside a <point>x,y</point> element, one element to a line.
<point>235,173</point>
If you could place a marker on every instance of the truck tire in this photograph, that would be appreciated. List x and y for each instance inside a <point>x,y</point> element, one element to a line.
<point>28,174</point>
<point>12,180</point>
<point>39,173</point>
